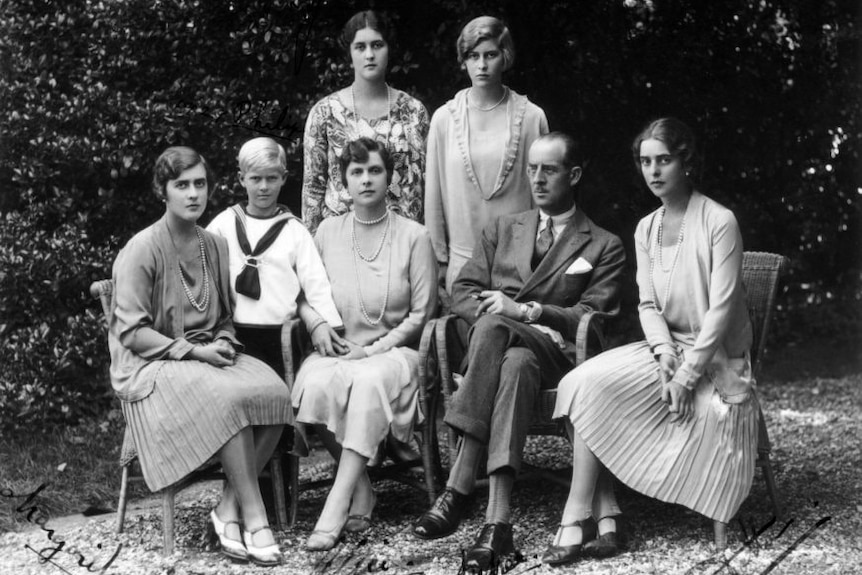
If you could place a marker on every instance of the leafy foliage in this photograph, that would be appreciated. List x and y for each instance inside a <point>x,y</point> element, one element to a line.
<point>92,90</point>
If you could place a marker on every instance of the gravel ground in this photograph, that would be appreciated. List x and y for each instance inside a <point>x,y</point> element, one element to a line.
<point>817,434</point>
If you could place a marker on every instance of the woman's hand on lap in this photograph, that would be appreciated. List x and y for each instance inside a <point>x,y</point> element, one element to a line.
<point>215,353</point>
<point>326,341</point>
<point>680,405</point>
<point>354,351</point>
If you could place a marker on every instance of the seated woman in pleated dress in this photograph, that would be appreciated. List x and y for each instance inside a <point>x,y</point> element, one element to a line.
<point>384,274</point>
<point>187,391</point>
<point>673,417</point>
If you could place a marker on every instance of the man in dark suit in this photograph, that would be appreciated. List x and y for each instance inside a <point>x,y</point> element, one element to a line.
<point>531,278</point>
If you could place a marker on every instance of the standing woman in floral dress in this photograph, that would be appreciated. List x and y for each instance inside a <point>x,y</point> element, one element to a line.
<point>477,148</point>
<point>370,108</point>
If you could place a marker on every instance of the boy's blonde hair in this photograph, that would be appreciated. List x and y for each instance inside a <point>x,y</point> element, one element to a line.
<point>261,154</point>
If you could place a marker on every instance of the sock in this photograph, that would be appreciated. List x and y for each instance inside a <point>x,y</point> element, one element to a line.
<point>500,487</point>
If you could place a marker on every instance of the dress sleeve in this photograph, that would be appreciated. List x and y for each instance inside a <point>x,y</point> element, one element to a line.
<point>422,271</point>
<point>135,277</point>
<point>654,326</point>
<point>724,280</point>
<point>418,164</point>
<point>315,145</point>
<point>435,214</point>
<point>312,276</point>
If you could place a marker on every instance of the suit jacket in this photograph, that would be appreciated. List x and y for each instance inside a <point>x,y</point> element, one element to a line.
<point>501,261</point>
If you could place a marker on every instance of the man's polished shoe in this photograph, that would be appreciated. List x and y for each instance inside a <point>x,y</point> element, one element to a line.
<point>444,516</point>
<point>558,554</point>
<point>494,543</point>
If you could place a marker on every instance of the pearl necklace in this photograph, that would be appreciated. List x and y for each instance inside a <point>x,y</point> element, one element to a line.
<point>370,222</point>
<point>358,252</point>
<point>356,247</point>
<point>205,300</point>
<point>658,256</point>
<point>479,108</point>
<point>356,116</point>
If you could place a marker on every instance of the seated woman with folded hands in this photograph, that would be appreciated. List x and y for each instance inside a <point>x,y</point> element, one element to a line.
<point>356,389</point>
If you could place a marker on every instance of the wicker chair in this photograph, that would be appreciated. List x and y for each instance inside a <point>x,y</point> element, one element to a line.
<point>296,345</point>
<point>103,290</point>
<point>449,355</point>
<point>760,274</point>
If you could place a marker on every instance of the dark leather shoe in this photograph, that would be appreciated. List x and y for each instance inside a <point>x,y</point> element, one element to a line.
<point>444,516</point>
<point>609,544</point>
<point>494,543</point>
<point>558,554</point>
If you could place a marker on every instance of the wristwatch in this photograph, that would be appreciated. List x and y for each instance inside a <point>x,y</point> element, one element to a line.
<point>531,310</point>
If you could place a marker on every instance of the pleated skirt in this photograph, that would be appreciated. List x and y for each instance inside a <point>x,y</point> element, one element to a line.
<point>707,464</point>
<point>359,400</point>
<point>195,408</point>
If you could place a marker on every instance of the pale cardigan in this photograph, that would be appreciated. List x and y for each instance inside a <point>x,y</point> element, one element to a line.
<point>710,268</point>
<point>456,209</point>
<point>147,307</point>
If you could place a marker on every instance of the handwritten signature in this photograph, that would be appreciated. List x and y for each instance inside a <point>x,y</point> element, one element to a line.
<point>724,563</point>
<point>47,554</point>
<point>505,565</point>
<point>256,117</point>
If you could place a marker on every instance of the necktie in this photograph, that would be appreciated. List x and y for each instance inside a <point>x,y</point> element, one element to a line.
<point>543,243</point>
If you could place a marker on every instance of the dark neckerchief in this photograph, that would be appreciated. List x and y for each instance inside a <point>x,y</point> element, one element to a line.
<point>248,280</point>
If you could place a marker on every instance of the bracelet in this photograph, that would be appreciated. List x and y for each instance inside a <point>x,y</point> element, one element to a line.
<point>320,321</point>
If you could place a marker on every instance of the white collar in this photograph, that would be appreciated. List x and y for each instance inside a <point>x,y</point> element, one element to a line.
<point>559,220</point>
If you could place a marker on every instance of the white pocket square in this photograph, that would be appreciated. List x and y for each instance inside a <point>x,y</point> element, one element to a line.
<point>579,266</point>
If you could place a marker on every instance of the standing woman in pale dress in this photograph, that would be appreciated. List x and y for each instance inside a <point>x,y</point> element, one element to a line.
<point>187,391</point>
<point>477,148</point>
<point>673,417</point>
<point>371,108</point>
<point>363,387</point>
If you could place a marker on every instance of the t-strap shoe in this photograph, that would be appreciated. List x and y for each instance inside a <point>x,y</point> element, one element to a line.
<point>361,522</point>
<point>558,554</point>
<point>268,555</point>
<point>610,543</point>
<point>230,548</point>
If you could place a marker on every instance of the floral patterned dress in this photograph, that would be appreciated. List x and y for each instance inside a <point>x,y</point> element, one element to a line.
<point>331,124</point>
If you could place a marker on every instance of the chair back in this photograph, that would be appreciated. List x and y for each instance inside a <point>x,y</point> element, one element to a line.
<point>103,289</point>
<point>760,274</point>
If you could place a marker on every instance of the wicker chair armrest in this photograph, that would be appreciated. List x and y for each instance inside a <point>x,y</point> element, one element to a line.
<point>103,289</point>
<point>590,324</point>
<point>295,345</point>
<point>428,382</point>
<point>442,327</point>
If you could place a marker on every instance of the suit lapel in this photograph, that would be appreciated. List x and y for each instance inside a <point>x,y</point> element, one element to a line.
<point>573,238</point>
<point>524,238</point>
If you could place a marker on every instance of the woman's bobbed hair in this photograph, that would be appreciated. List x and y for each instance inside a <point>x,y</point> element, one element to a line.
<point>484,28</point>
<point>358,151</point>
<point>367,19</point>
<point>676,135</point>
<point>173,162</point>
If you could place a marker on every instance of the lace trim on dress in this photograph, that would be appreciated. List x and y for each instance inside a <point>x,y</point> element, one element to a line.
<point>516,109</point>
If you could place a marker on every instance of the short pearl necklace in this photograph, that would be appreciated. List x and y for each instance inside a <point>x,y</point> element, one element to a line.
<point>358,252</point>
<point>205,300</point>
<point>658,256</point>
<point>481,109</point>
<point>370,222</point>
<point>356,116</point>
